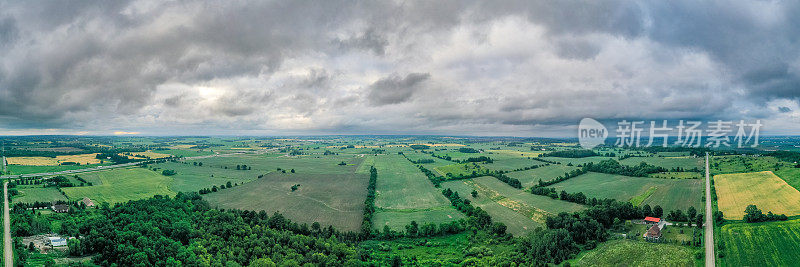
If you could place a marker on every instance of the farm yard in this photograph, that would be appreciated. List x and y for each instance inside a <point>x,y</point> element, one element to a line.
<point>763,189</point>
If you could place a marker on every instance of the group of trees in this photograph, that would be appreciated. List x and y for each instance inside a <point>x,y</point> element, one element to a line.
<point>566,176</point>
<point>568,234</point>
<point>224,186</point>
<point>243,167</point>
<point>477,216</point>
<point>369,203</point>
<point>513,182</point>
<point>169,172</point>
<point>753,214</point>
<point>184,230</point>
<point>467,150</point>
<point>611,166</point>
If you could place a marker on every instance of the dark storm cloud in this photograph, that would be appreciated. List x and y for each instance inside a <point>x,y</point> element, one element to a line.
<point>333,65</point>
<point>396,89</point>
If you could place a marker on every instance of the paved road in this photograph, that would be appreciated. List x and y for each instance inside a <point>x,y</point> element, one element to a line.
<point>710,256</point>
<point>8,252</point>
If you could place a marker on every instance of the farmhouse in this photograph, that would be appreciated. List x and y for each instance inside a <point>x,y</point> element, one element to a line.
<point>61,208</point>
<point>653,233</point>
<point>88,202</point>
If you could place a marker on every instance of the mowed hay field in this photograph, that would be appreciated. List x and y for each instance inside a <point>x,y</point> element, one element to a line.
<point>404,194</point>
<point>761,244</point>
<point>520,210</point>
<point>545,173</point>
<point>48,161</point>
<point>121,185</point>
<point>670,194</point>
<point>191,178</point>
<point>625,252</point>
<point>334,197</point>
<point>763,189</point>
<point>33,193</point>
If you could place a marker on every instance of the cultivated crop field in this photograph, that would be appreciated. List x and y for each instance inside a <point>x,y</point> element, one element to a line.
<point>763,189</point>
<point>669,194</point>
<point>121,185</point>
<point>761,244</point>
<point>83,159</point>
<point>402,188</point>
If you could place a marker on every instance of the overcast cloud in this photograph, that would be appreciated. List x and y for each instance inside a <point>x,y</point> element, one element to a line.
<point>525,68</point>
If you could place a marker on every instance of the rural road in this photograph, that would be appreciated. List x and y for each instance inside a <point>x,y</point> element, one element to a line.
<point>710,256</point>
<point>8,255</point>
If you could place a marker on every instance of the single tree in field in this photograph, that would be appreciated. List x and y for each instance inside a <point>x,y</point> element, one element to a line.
<point>474,193</point>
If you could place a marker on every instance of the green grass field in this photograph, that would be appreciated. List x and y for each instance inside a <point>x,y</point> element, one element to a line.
<point>191,178</point>
<point>33,193</point>
<point>545,173</point>
<point>761,244</point>
<point>402,188</point>
<point>120,185</point>
<point>509,164</point>
<point>670,194</point>
<point>24,169</point>
<point>791,175</point>
<point>331,199</point>
<point>625,252</point>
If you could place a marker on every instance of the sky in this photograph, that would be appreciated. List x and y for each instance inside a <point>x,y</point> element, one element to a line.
<point>510,68</point>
